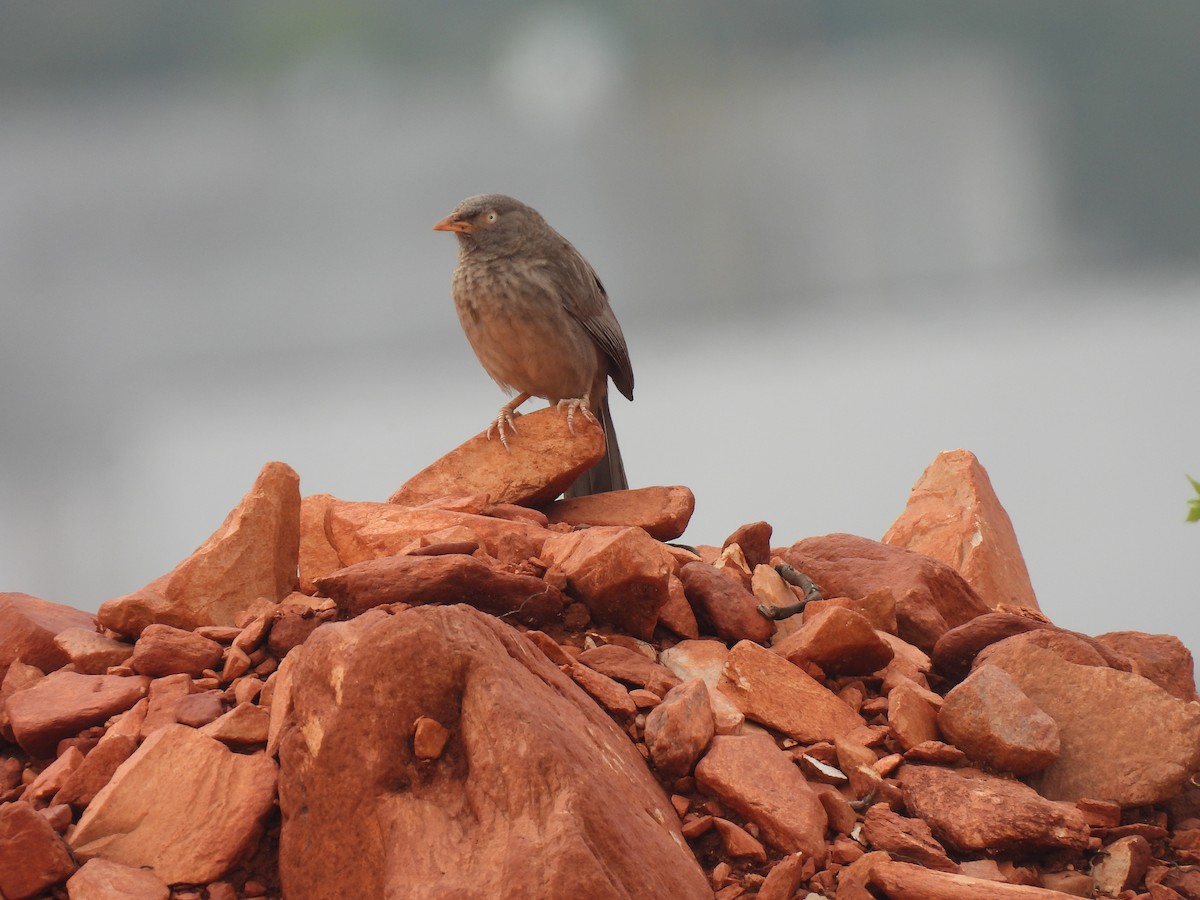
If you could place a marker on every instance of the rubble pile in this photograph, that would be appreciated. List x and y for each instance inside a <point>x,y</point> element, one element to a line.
<point>473,690</point>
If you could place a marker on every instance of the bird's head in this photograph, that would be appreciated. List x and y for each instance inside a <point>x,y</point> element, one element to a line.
<point>492,222</point>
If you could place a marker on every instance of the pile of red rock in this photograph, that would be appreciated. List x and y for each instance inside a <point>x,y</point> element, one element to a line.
<point>472,691</point>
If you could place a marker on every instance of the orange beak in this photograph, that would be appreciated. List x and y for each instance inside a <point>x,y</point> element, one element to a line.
<point>450,223</point>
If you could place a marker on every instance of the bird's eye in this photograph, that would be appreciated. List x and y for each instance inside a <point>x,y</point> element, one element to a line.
<point>492,215</point>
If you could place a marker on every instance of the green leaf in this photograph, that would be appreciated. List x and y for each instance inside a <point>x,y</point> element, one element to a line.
<point>1194,504</point>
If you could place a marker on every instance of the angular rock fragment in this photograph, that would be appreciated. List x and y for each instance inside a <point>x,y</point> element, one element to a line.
<point>91,653</point>
<point>182,805</point>
<point>931,597</point>
<point>840,641</point>
<point>663,512</point>
<point>101,879</point>
<point>771,690</point>
<point>755,540</point>
<point>357,531</point>
<point>705,659</point>
<point>165,650</point>
<point>1160,657</point>
<point>729,610</point>
<point>541,461</point>
<point>911,717</point>
<point>905,881</point>
<point>33,858</point>
<point>557,803</point>
<point>28,626</point>
<point>1106,753</point>
<point>453,578</point>
<point>253,554</point>
<point>989,718</point>
<point>971,811</point>
<point>621,574</point>
<point>629,666</point>
<point>956,650</point>
<point>64,703</point>
<point>953,515</point>
<point>905,838</point>
<point>1121,865</point>
<point>604,690</point>
<point>680,728</point>
<point>756,779</point>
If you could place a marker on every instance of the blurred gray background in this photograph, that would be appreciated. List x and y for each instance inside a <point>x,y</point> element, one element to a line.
<point>840,236</point>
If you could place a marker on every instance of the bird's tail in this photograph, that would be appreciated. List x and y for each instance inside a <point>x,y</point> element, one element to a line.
<point>609,473</point>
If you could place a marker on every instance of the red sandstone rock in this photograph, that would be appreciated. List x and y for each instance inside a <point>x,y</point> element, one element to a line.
<point>164,650</point>
<point>953,515</point>
<point>841,642</point>
<point>664,512</point>
<point>971,811</point>
<point>33,858</point>
<point>621,574</point>
<point>705,659</point>
<point>91,653</point>
<point>629,666</point>
<point>755,541</point>
<point>317,555</point>
<point>51,779</point>
<point>197,710</point>
<point>911,717</point>
<point>604,690</point>
<point>28,626</point>
<point>291,628</point>
<point>1106,753</point>
<point>182,805</point>
<point>931,597</point>
<point>1160,657</point>
<point>772,691</point>
<point>540,794</point>
<point>541,461</point>
<point>680,728</point>
<point>96,770</point>
<point>1121,865</point>
<point>772,591</point>
<point>906,838</point>
<point>64,703</point>
<point>729,610</point>
<point>905,881</point>
<point>1070,645</point>
<point>429,738</point>
<point>357,532</point>
<point>164,697</point>
<point>784,879</point>
<point>989,718</point>
<point>100,879</point>
<point>243,727</point>
<point>253,554</point>
<point>756,779</point>
<point>452,578</point>
<point>676,613</point>
<point>737,841</point>
<point>956,650</point>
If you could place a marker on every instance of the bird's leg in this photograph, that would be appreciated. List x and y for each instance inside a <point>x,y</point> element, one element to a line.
<point>577,403</point>
<point>505,419</point>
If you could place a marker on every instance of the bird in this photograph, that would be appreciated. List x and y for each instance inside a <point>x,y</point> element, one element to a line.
<point>538,318</point>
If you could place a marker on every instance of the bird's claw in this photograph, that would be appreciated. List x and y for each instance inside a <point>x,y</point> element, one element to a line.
<point>503,423</point>
<point>578,403</point>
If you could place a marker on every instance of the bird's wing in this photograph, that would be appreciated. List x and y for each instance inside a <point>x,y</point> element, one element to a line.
<point>584,298</point>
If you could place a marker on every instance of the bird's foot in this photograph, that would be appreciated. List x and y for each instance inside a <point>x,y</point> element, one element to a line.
<point>577,404</point>
<point>504,423</point>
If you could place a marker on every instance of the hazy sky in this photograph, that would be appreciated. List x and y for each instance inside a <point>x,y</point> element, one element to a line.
<point>836,248</point>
